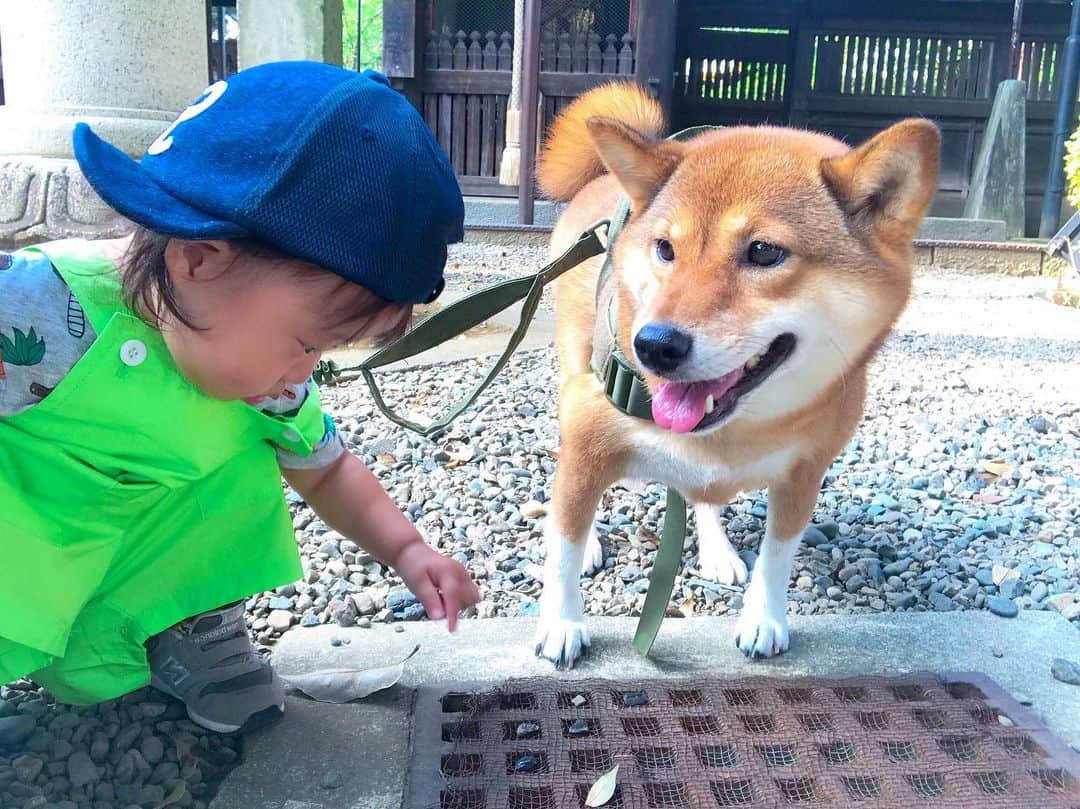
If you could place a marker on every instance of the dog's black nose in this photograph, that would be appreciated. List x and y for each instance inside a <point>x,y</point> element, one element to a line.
<point>661,347</point>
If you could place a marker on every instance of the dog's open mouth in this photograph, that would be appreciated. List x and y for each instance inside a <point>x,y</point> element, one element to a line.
<point>685,407</point>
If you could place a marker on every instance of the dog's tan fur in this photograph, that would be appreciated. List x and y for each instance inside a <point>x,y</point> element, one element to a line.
<point>846,218</point>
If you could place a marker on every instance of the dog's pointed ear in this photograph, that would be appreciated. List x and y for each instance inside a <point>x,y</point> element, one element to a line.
<point>640,163</point>
<point>889,181</point>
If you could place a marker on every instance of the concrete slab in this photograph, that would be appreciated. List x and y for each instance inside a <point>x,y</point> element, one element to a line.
<point>367,744</point>
<point>486,339</point>
<point>491,214</point>
<point>483,211</point>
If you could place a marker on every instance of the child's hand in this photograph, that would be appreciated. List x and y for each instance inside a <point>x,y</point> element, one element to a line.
<point>442,584</point>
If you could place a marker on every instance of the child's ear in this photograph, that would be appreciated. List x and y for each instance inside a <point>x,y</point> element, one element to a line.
<point>640,163</point>
<point>199,260</point>
<point>889,181</point>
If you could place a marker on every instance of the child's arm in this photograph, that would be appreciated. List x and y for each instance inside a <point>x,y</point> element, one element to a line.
<point>350,499</point>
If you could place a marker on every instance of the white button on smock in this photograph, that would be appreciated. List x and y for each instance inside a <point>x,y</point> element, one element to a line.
<point>133,352</point>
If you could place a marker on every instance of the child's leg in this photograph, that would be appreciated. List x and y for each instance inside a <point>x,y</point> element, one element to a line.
<point>188,552</point>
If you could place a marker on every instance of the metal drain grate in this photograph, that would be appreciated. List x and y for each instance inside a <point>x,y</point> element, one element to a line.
<point>920,741</point>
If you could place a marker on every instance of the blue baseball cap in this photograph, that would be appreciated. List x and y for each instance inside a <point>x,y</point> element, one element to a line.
<point>322,163</point>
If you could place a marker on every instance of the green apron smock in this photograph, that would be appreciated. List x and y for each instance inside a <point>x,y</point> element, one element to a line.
<point>130,500</point>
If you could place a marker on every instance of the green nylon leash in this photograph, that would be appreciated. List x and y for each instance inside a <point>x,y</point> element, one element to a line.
<point>458,318</point>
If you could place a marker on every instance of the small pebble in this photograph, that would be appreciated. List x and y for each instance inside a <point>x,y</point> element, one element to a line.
<point>527,730</point>
<point>330,781</point>
<point>528,763</point>
<point>1066,671</point>
<point>1005,607</point>
<point>579,727</point>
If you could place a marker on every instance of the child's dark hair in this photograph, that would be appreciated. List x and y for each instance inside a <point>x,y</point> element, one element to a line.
<point>148,289</point>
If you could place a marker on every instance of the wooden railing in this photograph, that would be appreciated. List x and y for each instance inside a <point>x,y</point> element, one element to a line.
<point>466,85</point>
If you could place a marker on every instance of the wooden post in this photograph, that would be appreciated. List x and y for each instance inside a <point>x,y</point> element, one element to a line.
<point>654,40</point>
<point>530,92</point>
<point>403,47</point>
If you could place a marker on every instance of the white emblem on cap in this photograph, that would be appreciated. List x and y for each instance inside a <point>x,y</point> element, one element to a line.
<point>206,100</point>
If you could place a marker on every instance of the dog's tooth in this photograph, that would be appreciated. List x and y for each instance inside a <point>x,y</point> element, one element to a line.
<point>710,404</point>
<point>754,360</point>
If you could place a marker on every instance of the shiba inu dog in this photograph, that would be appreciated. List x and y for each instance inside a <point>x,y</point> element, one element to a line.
<point>760,270</point>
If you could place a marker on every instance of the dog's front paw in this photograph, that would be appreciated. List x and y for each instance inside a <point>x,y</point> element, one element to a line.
<point>761,632</point>
<point>594,555</point>
<point>720,563</point>
<point>562,641</point>
<point>717,558</point>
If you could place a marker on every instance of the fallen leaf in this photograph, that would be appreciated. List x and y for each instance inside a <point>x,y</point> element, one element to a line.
<point>1000,573</point>
<point>386,458</point>
<point>345,685</point>
<point>687,607</point>
<point>999,468</point>
<point>604,788</point>
<point>177,795</point>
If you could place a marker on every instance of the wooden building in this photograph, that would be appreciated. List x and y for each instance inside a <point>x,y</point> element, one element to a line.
<point>848,67</point>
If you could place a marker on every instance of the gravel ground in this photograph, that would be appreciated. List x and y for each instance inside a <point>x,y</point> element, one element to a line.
<point>959,491</point>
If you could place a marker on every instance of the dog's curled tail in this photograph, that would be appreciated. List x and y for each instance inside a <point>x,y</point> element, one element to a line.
<point>569,160</point>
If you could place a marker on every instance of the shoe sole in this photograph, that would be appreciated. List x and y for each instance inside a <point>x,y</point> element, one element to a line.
<point>259,719</point>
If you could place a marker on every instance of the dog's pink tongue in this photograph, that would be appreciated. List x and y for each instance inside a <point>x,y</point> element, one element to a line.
<point>680,406</point>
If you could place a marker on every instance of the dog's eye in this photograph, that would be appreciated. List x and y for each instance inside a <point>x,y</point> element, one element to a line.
<point>665,251</point>
<point>764,254</point>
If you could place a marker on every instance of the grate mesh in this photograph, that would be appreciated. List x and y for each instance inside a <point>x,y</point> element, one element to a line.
<point>917,741</point>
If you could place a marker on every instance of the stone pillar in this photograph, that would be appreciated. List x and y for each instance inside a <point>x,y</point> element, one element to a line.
<point>126,67</point>
<point>997,184</point>
<point>278,30</point>
<point>511,156</point>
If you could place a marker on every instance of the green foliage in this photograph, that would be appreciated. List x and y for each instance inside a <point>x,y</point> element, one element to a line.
<point>368,35</point>
<point>1072,168</point>
<point>25,349</point>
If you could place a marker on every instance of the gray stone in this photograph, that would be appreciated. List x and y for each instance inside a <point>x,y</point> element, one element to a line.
<point>1005,607</point>
<point>81,770</point>
<point>280,620</point>
<point>27,768</point>
<point>1066,671</point>
<point>1010,588</point>
<point>997,184</point>
<point>16,729</point>
<point>152,749</point>
<point>941,602</point>
<point>901,601</point>
<point>897,567</point>
<point>855,583</point>
<point>151,795</point>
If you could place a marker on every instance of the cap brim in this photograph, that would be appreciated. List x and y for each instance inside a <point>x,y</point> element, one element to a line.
<point>130,191</point>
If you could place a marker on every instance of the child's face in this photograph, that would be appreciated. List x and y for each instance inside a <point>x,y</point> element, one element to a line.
<point>262,322</point>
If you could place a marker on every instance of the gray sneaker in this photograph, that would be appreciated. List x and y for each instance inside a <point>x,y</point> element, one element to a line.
<point>209,663</point>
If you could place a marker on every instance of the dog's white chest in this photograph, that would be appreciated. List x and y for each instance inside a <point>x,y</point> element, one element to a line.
<point>659,458</point>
